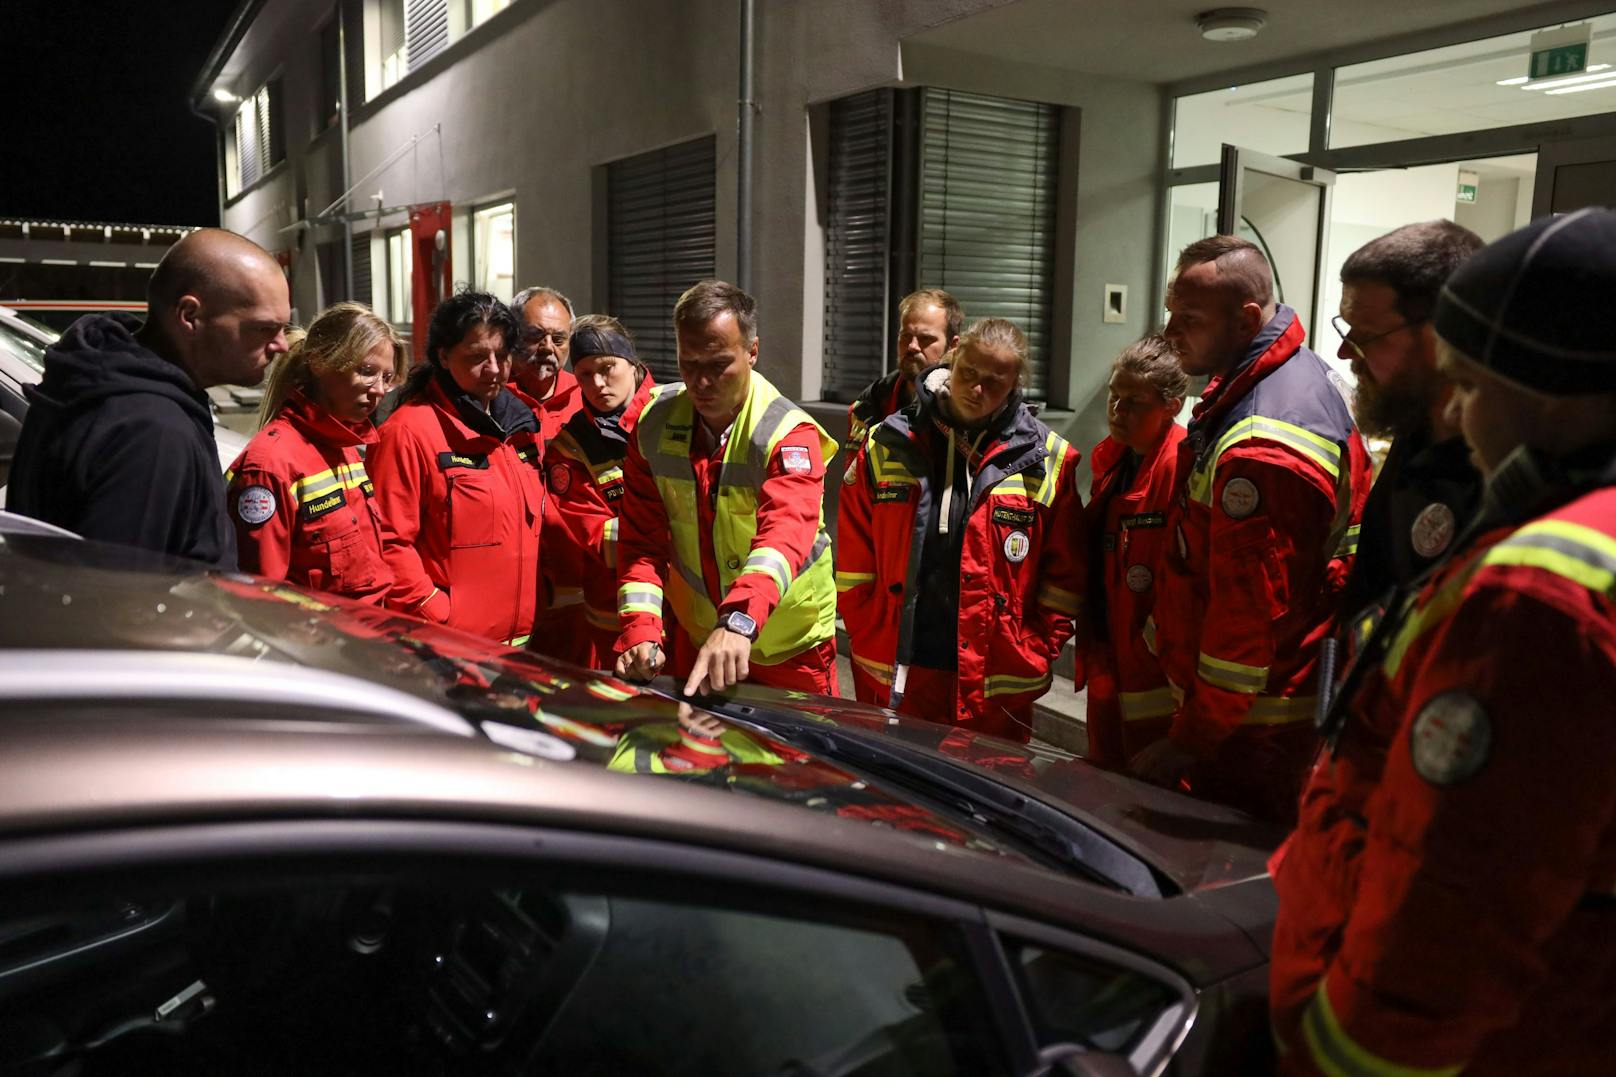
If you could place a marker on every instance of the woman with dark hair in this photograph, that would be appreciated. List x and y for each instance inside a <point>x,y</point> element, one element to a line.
<point>584,466</point>
<point>299,497</point>
<point>458,481</point>
<point>1130,701</point>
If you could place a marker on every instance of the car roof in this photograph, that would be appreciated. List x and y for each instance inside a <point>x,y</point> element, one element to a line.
<point>88,624</point>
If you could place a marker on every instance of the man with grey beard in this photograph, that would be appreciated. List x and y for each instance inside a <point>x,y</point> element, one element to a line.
<point>1428,488</point>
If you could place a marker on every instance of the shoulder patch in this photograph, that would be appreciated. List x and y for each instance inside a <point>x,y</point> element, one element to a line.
<point>1450,739</point>
<point>255,504</point>
<point>1139,578</point>
<point>795,458</point>
<point>1240,498</point>
<point>447,460</point>
<point>1017,546</point>
<point>560,476</point>
<point>1433,529</point>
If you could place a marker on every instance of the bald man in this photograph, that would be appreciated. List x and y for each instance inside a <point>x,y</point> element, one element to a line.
<point>118,443</point>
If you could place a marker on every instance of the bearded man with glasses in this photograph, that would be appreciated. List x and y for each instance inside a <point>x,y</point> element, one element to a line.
<point>1428,487</point>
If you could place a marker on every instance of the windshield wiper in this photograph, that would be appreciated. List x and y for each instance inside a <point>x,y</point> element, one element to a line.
<point>1034,826</point>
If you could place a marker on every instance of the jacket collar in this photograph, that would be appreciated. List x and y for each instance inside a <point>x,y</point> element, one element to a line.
<point>510,413</point>
<point>1275,343</point>
<point>316,423</point>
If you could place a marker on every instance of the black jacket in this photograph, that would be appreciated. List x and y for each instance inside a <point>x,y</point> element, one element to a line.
<point>118,446</point>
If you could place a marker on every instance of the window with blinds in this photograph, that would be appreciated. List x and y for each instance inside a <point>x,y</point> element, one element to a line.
<point>858,239</point>
<point>988,176</point>
<point>426,30</point>
<point>361,270</point>
<point>967,204</point>
<point>661,219</point>
<point>258,135</point>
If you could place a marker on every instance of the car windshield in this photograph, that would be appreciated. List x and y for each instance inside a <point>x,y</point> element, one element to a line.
<point>26,347</point>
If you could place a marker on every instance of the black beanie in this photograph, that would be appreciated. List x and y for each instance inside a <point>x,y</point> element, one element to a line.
<point>1538,307</point>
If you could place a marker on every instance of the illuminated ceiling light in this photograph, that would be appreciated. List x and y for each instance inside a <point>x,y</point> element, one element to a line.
<point>1609,82</point>
<point>1549,84</point>
<point>225,97</point>
<point>1231,23</point>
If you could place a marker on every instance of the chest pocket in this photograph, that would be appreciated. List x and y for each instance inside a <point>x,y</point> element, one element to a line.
<point>479,508</point>
<point>351,563</point>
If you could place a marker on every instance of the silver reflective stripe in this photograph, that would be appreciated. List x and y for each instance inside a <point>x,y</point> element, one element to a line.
<point>1532,538</point>
<point>749,474</point>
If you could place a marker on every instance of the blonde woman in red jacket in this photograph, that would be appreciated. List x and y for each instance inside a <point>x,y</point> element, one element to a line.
<point>1130,703</point>
<point>300,499</point>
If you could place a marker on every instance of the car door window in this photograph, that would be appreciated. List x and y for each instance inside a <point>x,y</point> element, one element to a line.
<point>1075,999</point>
<point>346,973</point>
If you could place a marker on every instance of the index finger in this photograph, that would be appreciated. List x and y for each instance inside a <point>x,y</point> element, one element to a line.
<point>697,674</point>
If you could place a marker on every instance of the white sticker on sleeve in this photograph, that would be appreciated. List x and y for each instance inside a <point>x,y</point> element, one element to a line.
<point>255,504</point>
<point>795,458</point>
<point>1240,498</point>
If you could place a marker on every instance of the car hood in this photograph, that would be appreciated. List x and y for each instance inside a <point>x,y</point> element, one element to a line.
<point>60,595</point>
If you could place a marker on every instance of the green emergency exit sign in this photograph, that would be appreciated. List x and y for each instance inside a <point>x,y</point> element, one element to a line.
<point>1563,60</point>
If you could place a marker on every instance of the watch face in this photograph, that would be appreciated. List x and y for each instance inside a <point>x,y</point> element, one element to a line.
<point>742,624</point>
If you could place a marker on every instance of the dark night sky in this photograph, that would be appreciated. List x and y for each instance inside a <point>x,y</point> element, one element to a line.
<point>97,126</point>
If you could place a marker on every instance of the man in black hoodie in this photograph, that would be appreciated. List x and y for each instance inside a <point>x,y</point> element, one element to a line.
<point>118,444</point>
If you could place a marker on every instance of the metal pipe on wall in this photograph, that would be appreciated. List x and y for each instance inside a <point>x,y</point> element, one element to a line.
<point>743,155</point>
<point>347,158</point>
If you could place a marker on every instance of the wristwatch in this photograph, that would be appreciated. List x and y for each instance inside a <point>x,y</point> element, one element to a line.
<point>740,624</point>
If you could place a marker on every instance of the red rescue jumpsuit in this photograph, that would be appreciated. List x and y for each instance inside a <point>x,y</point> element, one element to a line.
<point>1448,899</point>
<point>302,504</point>
<point>461,511</point>
<point>789,505</point>
<point>1272,479</point>
<point>1021,573</point>
<point>584,471</point>
<point>1130,703</point>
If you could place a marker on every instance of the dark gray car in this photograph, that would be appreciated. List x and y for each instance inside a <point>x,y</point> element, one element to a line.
<point>246,828</point>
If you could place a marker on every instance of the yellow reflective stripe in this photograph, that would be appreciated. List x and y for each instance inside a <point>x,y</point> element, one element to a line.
<point>879,670</point>
<point>1010,486</point>
<point>1580,554</point>
<point>771,563</point>
<point>1156,703</point>
<point>606,620</point>
<point>609,475</point>
<point>353,474</point>
<point>1349,542</point>
<point>229,476</point>
<point>1337,1055</point>
<point>1325,453</point>
<point>639,598</point>
<point>1060,599</point>
<point>310,487</point>
<point>1281,710</point>
<point>1149,635</point>
<point>517,641</point>
<point>1004,685</point>
<point>1423,619</point>
<point>604,691</point>
<point>1232,675</point>
<point>608,542</point>
<point>846,581</point>
<point>1056,446</point>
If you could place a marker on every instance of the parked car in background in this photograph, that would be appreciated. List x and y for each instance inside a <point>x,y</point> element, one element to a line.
<point>248,828</point>
<point>22,363</point>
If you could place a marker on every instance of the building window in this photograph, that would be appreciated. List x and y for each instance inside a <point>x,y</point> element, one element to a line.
<point>390,58</point>
<point>257,141</point>
<point>661,222</point>
<point>400,298</point>
<point>1272,117</point>
<point>937,189</point>
<point>483,10</point>
<point>493,249</point>
<point>329,105</point>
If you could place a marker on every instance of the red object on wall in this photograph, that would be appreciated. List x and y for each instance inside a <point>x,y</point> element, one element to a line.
<point>430,273</point>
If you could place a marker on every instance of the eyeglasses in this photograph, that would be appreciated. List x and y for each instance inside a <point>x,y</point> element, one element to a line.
<point>532,337</point>
<point>1360,346</point>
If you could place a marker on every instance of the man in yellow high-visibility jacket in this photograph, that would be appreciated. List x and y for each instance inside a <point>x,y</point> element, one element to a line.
<point>723,518</point>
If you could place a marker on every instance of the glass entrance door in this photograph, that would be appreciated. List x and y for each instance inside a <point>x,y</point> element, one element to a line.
<point>1284,208</point>
<point>1575,174</point>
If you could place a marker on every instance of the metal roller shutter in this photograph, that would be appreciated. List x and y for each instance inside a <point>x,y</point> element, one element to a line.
<point>661,218</point>
<point>361,269</point>
<point>987,211</point>
<point>426,30</point>
<point>858,238</point>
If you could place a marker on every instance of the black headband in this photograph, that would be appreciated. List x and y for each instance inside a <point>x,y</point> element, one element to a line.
<point>592,340</point>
